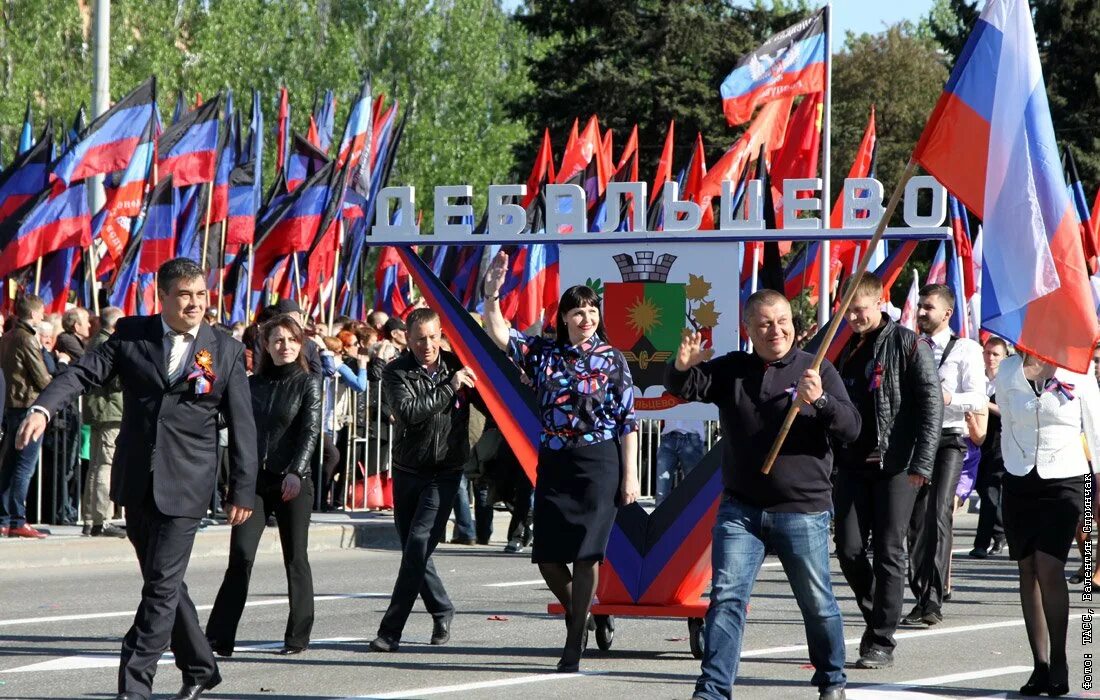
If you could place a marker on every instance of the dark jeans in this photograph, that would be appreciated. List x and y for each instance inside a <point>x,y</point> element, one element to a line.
<point>991,473</point>
<point>930,528</point>
<point>678,450</point>
<point>293,520</point>
<point>166,617</point>
<point>741,534</point>
<point>16,471</point>
<point>464,518</point>
<point>874,506</point>
<point>421,505</point>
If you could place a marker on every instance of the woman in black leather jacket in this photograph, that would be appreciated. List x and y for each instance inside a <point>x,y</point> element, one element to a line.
<point>286,402</point>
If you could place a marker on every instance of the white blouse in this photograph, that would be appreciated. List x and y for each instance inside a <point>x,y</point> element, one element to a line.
<point>1044,432</point>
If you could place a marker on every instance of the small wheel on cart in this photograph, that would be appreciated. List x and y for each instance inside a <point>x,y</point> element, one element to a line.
<point>605,631</point>
<point>696,629</point>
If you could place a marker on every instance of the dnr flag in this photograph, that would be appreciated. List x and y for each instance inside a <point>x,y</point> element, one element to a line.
<point>789,63</point>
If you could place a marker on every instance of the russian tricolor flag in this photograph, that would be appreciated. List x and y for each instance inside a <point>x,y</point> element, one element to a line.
<point>789,63</point>
<point>937,272</point>
<point>109,141</point>
<point>990,140</point>
<point>188,150</point>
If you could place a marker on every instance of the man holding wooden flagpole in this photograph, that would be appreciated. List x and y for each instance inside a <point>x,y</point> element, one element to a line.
<point>788,512</point>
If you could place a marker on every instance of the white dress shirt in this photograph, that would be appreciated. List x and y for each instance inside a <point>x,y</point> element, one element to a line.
<point>1044,432</point>
<point>178,350</point>
<point>962,374</point>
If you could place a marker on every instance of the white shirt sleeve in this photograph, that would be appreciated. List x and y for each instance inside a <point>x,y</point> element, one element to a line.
<point>971,395</point>
<point>1089,395</point>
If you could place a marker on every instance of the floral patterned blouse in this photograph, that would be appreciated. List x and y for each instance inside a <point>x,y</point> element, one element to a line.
<point>585,392</point>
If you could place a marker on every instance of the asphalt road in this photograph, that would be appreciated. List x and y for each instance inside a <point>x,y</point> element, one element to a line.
<point>60,631</point>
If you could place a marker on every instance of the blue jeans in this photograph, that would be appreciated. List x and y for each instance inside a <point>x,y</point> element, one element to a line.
<point>678,449</point>
<point>16,471</point>
<point>464,522</point>
<point>801,540</point>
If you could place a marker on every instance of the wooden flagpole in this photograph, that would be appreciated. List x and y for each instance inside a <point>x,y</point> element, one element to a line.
<point>335,275</point>
<point>206,229</point>
<point>248,286</point>
<point>221,276</point>
<point>834,324</point>
<point>92,265</point>
<point>37,276</point>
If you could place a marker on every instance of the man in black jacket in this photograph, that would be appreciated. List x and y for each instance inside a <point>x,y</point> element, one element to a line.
<point>429,392</point>
<point>177,374</point>
<point>788,509</point>
<point>891,378</point>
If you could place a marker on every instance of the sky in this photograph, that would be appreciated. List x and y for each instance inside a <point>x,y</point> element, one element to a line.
<point>869,16</point>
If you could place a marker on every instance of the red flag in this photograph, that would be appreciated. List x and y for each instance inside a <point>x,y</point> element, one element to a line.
<point>664,165</point>
<point>630,150</point>
<point>283,130</point>
<point>583,150</point>
<point>798,156</point>
<point>543,170</point>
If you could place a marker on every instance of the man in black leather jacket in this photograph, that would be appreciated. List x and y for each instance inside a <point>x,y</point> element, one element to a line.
<point>429,393</point>
<point>891,378</point>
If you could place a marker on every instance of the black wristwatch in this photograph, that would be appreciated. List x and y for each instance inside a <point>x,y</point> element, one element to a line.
<point>822,402</point>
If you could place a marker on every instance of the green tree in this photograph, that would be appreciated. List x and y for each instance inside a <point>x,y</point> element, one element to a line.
<point>902,75</point>
<point>640,61</point>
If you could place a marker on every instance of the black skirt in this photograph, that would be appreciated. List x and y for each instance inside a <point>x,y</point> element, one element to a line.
<point>1041,515</point>
<point>576,499</point>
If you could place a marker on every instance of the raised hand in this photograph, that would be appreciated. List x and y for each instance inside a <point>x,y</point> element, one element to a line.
<point>494,277</point>
<point>463,378</point>
<point>692,352</point>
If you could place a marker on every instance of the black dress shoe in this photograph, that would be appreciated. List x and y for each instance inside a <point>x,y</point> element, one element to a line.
<point>834,694</point>
<point>915,618</point>
<point>128,696</point>
<point>997,548</point>
<point>1058,683</point>
<point>290,651</point>
<point>194,692</point>
<point>385,644</point>
<point>865,641</point>
<point>875,658</point>
<point>441,630</point>
<point>978,553</point>
<point>932,617</point>
<point>1038,683</point>
<point>222,650</point>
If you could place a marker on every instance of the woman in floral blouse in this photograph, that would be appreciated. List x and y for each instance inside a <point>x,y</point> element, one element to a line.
<point>588,454</point>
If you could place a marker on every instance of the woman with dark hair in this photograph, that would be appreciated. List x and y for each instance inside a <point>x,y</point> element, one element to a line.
<point>1044,411</point>
<point>588,454</point>
<point>286,403</point>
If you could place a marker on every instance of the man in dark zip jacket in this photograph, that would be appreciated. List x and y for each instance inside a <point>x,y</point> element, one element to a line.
<point>891,378</point>
<point>429,392</point>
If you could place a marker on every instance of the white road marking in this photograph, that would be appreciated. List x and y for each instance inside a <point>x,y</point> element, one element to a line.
<point>509,584</point>
<point>130,613</point>
<point>500,683</point>
<point>916,634</point>
<point>85,661</point>
<point>888,691</point>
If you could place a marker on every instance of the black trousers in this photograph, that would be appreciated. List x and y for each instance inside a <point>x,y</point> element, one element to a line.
<point>930,528</point>
<point>293,520</point>
<point>483,509</point>
<point>991,473</point>
<point>421,506</point>
<point>166,617</point>
<point>876,506</point>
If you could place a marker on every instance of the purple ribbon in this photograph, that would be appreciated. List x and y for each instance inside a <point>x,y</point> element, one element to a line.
<point>1063,388</point>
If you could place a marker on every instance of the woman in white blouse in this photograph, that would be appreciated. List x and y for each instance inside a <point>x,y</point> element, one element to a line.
<point>1044,411</point>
